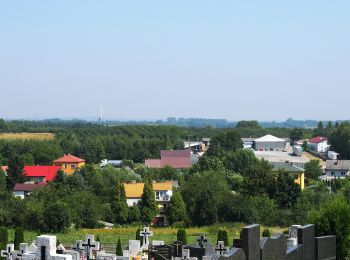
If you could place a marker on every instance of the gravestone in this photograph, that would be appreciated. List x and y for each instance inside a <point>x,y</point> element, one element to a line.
<point>196,251</point>
<point>23,249</point>
<point>134,248</point>
<point>306,237</point>
<point>295,253</point>
<point>234,254</point>
<point>186,254</point>
<point>46,249</point>
<point>221,249</point>
<point>160,252</point>
<point>251,242</point>
<point>8,253</point>
<point>76,255</point>
<point>177,249</point>
<point>145,234</point>
<point>157,242</point>
<point>60,249</point>
<point>325,248</point>
<point>89,245</point>
<point>201,240</point>
<point>293,236</point>
<point>102,255</point>
<point>237,242</point>
<point>273,248</point>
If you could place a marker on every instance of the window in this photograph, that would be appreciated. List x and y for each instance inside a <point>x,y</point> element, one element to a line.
<point>157,195</point>
<point>332,173</point>
<point>73,166</point>
<point>343,173</point>
<point>65,166</point>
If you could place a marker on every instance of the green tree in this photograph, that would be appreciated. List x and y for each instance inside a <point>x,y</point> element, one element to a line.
<point>285,191</point>
<point>266,233</point>
<point>340,140</point>
<point>248,124</point>
<point>222,236</point>
<point>119,205</point>
<point>207,163</point>
<point>15,172</point>
<point>333,218</point>
<point>176,211</point>
<point>3,237</point>
<point>57,218</point>
<point>119,250</point>
<point>296,134</point>
<point>2,181</point>
<point>225,142</point>
<point>59,178</point>
<point>305,146</point>
<point>320,125</point>
<point>182,236</point>
<point>240,161</point>
<point>313,169</point>
<point>19,237</point>
<point>134,215</point>
<point>149,207</point>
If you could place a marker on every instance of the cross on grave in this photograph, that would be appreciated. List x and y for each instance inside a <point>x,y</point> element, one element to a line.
<point>178,248</point>
<point>146,234</point>
<point>23,248</point>
<point>8,253</point>
<point>221,247</point>
<point>201,240</point>
<point>90,244</point>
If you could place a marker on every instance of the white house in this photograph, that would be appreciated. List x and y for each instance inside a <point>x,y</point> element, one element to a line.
<point>337,169</point>
<point>318,144</point>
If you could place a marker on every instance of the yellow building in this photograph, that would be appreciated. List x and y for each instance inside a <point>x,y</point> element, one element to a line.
<point>292,170</point>
<point>69,163</point>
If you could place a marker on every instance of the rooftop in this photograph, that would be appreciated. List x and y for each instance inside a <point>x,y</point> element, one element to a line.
<point>286,167</point>
<point>269,138</point>
<point>68,158</point>
<point>27,186</point>
<point>338,165</point>
<point>135,190</point>
<point>49,172</point>
<point>317,139</point>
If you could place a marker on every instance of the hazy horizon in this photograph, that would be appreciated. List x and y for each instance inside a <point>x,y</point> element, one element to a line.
<point>149,60</point>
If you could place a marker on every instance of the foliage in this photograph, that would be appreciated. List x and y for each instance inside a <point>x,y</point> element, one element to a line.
<point>182,236</point>
<point>222,236</point>
<point>3,237</point>
<point>313,169</point>
<point>19,237</point>
<point>119,250</point>
<point>149,206</point>
<point>57,218</point>
<point>119,205</point>
<point>228,141</point>
<point>14,172</point>
<point>134,215</point>
<point>266,233</point>
<point>333,217</point>
<point>176,211</point>
<point>340,140</point>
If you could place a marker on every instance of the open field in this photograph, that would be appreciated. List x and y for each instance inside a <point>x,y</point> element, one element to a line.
<point>26,136</point>
<point>109,237</point>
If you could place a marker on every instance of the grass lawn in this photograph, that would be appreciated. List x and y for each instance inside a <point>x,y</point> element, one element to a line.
<point>109,237</point>
<point>26,136</point>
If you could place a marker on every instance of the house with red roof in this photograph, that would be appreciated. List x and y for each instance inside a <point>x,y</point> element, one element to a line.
<point>178,159</point>
<point>318,144</point>
<point>40,173</point>
<point>69,163</point>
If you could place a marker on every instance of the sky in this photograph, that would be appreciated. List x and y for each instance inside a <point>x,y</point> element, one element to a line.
<point>261,60</point>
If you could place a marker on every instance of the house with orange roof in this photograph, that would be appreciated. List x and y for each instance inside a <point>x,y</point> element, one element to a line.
<point>69,163</point>
<point>162,192</point>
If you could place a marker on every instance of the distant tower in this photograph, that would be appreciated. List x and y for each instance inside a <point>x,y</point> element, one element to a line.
<point>101,114</point>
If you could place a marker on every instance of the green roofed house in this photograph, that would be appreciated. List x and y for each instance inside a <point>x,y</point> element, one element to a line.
<point>295,171</point>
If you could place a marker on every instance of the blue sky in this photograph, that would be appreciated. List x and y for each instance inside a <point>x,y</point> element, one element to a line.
<point>264,60</point>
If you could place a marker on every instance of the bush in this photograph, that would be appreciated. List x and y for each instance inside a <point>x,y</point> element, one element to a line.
<point>333,218</point>
<point>182,236</point>
<point>222,236</point>
<point>19,237</point>
<point>266,233</point>
<point>3,238</point>
<point>119,250</point>
<point>57,218</point>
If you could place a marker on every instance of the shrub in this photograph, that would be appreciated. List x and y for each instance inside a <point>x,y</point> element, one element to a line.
<point>3,237</point>
<point>266,233</point>
<point>222,236</point>
<point>119,250</point>
<point>182,236</point>
<point>19,238</point>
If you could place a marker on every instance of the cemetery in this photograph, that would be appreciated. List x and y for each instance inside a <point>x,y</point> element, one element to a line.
<point>300,243</point>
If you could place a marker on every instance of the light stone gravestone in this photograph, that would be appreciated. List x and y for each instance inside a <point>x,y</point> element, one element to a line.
<point>8,253</point>
<point>145,234</point>
<point>157,243</point>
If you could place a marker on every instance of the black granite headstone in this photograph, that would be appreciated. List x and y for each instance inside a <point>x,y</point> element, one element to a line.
<point>160,252</point>
<point>177,249</point>
<point>325,248</point>
<point>197,251</point>
<point>306,236</point>
<point>251,242</point>
<point>233,254</point>
<point>273,248</point>
<point>295,253</point>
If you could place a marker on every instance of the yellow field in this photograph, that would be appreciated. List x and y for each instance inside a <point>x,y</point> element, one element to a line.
<point>26,136</point>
